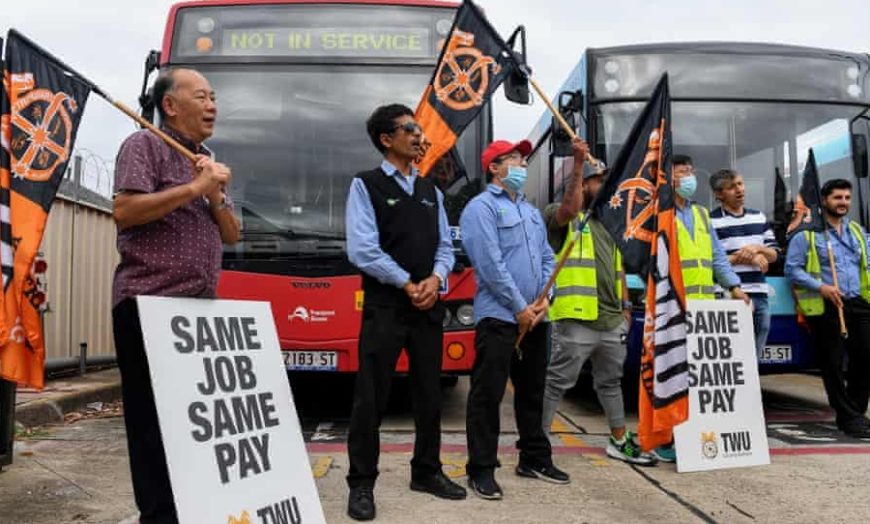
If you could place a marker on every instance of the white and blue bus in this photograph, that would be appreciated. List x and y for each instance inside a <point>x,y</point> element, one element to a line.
<point>756,108</point>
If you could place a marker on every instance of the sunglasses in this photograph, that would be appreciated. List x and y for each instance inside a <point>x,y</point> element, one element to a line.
<point>408,127</point>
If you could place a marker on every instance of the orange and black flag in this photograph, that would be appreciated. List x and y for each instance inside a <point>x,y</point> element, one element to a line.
<point>45,103</point>
<point>636,205</point>
<point>474,62</point>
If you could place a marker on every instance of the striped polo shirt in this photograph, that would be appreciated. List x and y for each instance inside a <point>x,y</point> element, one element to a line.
<point>735,232</point>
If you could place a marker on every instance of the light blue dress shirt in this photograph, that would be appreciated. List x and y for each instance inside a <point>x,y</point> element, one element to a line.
<point>723,273</point>
<point>363,240</point>
<point>847,260</point>
<point>506,241</point>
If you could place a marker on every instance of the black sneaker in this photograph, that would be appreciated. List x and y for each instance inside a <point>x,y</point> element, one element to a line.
<point>856,429</point>
<point>361,503</point>
<point>440,486</point>
<point>484,486</point>
<point>549,473</point>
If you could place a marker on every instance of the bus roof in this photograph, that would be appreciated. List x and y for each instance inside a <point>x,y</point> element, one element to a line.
<point>542,127</point>
<point>173,11</point>
<point>732,48</point>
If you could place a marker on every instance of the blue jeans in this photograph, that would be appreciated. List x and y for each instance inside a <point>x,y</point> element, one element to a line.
<point>761,320</point>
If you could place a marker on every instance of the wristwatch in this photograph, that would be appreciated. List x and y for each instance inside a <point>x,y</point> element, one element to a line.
<point>223,204</point>
<point>440,279</point>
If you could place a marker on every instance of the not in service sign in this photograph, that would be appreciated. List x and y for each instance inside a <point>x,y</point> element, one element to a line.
<point>726,421</point>
<point>233,442</point>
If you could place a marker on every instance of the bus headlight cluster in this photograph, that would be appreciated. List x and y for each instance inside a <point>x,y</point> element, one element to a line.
<point>205,25</point>
<point>448,317</point>
<point>611,68</point>
<point>853,89</point>
<point>465,315</point>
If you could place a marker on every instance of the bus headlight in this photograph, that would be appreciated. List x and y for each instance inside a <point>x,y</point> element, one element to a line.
<point>852,73</point>
<point>205,25</point>
<point>611,67</point>
<point>854,90</point>
<point>465,315</point>
<point>448,317</point>
<point>611,85</point>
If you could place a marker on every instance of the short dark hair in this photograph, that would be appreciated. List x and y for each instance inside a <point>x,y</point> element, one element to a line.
<point>165,83</point>
<point>837,183</point>
<point>719,178</point>
<point>383,120</point>
<point>682,160</point>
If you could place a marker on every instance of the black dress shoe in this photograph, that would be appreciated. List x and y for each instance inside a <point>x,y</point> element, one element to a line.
<point>549,473</point>
<point>361,503</point>
<point>856,429</point>
<point>440,486</point>
<point>483,485</point>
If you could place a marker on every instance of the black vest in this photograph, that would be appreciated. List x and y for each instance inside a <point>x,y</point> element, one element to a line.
<point>408,230</point>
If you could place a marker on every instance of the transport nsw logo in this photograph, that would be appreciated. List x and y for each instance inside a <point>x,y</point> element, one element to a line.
<point>304,314</point>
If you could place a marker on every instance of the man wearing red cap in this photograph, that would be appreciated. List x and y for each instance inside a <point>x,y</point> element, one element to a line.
<point>506,240</point>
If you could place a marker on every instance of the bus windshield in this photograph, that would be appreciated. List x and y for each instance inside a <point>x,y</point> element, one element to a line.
<point>762,141</point>
<point>294,138</point>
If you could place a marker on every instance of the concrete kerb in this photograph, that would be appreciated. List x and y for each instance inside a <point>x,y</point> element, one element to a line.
<point>52,408</point>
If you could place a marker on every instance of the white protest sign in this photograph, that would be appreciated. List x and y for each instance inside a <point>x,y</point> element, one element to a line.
<point>233,443</point>
<point>726,420</point>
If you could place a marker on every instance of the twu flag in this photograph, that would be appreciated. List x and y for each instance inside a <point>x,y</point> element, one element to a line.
<point>40,116</point>
<point>474,61</point>
<point>808,204</point>
<point>636,205</point>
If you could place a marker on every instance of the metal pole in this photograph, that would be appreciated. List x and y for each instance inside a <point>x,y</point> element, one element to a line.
<point>7,421</point>
<point>77,184</point>
<point>83,358</point>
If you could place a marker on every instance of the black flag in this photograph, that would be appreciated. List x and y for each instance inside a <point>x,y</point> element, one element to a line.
<point>46,101</point>
<point>625,203</point>
<point>475,60</point>
<point>636,205</point>
<point>808,205</point>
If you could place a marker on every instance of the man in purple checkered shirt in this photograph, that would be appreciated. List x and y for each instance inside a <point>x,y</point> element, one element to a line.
<point>172,217</point>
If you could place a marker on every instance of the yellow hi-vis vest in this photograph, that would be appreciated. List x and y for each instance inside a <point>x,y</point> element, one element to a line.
<point>696,256</point>
<point>811,302</point>
<point>576,295</point>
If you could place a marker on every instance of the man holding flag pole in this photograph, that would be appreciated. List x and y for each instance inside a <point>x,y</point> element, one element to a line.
<point>835,296</point>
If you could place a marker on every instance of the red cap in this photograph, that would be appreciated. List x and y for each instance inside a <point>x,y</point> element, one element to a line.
<point>501,148</point>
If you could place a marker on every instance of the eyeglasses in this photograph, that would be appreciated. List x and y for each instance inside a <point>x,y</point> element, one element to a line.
<point>515,155</point>
<point>409,127</point>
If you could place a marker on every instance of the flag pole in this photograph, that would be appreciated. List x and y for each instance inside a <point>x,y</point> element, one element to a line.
<point>149,126</point>
<point>552,280</point>
<point>562,123</point>
<point>843,331</point>
<point>564,258</point>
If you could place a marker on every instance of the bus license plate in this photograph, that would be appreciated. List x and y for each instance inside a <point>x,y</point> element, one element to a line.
<point>776,354</point>
<point>311,360</point>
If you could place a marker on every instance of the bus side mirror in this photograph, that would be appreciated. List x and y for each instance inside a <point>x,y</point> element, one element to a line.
<point>516,88</point>
<point>570,104</point>
<point>859,155</point>
<point>146,99</point>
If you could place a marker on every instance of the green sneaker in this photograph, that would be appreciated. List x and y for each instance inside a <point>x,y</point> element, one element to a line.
<point>666,453</point>
<point>629,451</point>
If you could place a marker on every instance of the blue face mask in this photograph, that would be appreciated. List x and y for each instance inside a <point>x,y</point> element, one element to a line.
<point>687,186</point>
<point>515,179</point>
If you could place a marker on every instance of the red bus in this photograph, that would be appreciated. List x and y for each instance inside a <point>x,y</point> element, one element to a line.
<point>295,82</point>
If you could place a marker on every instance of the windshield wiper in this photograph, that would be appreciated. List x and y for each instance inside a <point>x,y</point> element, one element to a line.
<point>293,235</point>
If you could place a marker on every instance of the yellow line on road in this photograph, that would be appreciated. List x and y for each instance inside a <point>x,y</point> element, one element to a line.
<point>321,466</point>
